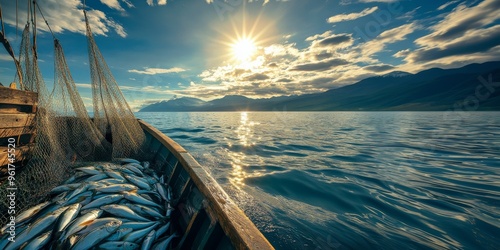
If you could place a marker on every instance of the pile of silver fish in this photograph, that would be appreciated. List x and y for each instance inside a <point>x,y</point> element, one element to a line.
<point>105,206</point>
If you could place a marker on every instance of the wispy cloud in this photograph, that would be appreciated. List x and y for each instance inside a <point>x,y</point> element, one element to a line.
<point>158,2</point>
<point>4,57</point>
<point>444,6</point>
<point>351,16</point>
<point>378,1</point>
<point>154,71</point>
<point>387,37</point>
<point>113,4</point>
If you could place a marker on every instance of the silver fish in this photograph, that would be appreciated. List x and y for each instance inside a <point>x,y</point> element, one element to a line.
<point>145,164</point>
<point>64,188</point>
<point>119,234</point>
<point>138,182</point>
<point>148,241</point>
<point>94,237</point>
<point>135,236</point>
<point>163,229</point>
<point>39,242</point>
<point>81,222</point>
<point>89,170</point>
<point>26,215</point>
<point>122,211</point>
<point>108,199</point>
<point>118,245</point>
<point>169,210</point>
<point>96,224</point>
<point>36,228</point>
<point>143,210</point>
<point>97,177</point>
<point>114,174</point>
<point>163,243</point>
<point>161,190</point>
<point>135,168</point>
<point>137,225</point>
<point>139,199</point>
<point>117,188</point>
<point>66,217</point>
<point>82,198</point>
<point>82,188</point>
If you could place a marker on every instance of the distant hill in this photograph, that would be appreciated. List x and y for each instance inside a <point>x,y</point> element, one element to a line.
<point>433,90</point>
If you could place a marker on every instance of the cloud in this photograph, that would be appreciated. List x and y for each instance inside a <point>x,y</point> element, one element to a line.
<point>160,2</point>
<point>379,67</point>
<point>470,31</point>
<point>444,6</point>
<point>319,66</point>
<point>462,20</point>
<point>378,1</point>
<point>323,55</point>
<point>113,4</point>
<point>475,42</point>
<point>5,57</point>
<point>387,37</point>
<point>336,40</point>
<point>154,71</point>
<point>256,77</point>
<point>351,16</point>
<point>71,21</point>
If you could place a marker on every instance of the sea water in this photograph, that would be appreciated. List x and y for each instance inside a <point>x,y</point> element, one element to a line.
<point>354,180</point>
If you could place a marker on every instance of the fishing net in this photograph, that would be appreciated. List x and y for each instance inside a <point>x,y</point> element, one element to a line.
<point>112,113</point>
<point>65,133</point>
<point>47,164</point>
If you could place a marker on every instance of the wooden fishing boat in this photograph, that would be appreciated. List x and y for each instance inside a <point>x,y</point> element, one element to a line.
<point>17,110</point>
<point>204,213</point>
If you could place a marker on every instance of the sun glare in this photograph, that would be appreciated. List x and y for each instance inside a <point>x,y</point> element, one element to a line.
<point>244,49</point>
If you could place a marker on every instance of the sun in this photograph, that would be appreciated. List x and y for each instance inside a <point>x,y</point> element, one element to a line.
<point>244,49</point>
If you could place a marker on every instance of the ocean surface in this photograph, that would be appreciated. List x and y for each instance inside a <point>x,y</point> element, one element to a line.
<point>354,180</point>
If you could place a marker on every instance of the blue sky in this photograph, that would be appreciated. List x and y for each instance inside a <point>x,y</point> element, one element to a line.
<point>158,49</point>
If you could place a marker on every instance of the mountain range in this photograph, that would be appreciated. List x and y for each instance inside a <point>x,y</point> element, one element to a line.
<point>472,87</point>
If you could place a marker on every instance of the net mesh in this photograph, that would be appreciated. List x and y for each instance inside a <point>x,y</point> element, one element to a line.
<point>111,111</point>
<point>65,133</point>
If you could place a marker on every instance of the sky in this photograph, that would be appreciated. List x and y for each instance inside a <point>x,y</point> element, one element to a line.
<point>159,50</point>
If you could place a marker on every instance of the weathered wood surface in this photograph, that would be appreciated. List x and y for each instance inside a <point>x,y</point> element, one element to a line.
<point>16,120</point>
<point>15,96</point>
<point>235,224</point>
<point>19,154</point>
<point>12,132</point>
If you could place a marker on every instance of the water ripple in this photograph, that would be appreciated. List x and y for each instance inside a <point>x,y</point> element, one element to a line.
<point>354,180</point>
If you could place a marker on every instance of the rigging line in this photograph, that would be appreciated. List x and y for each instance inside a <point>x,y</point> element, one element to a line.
<point>41,13</point>
<point>28,12</point>
<point>35,53</point>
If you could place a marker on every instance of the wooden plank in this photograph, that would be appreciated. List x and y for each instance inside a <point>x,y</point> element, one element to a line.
<point>16,120</point>
<point>11,132</point>
<point>241,231</point>
<point>15,96</point>
<point>19,154</point>
<point>11,109</point>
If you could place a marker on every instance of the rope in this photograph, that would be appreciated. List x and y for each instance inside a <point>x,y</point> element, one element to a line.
<point>41,13</point>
